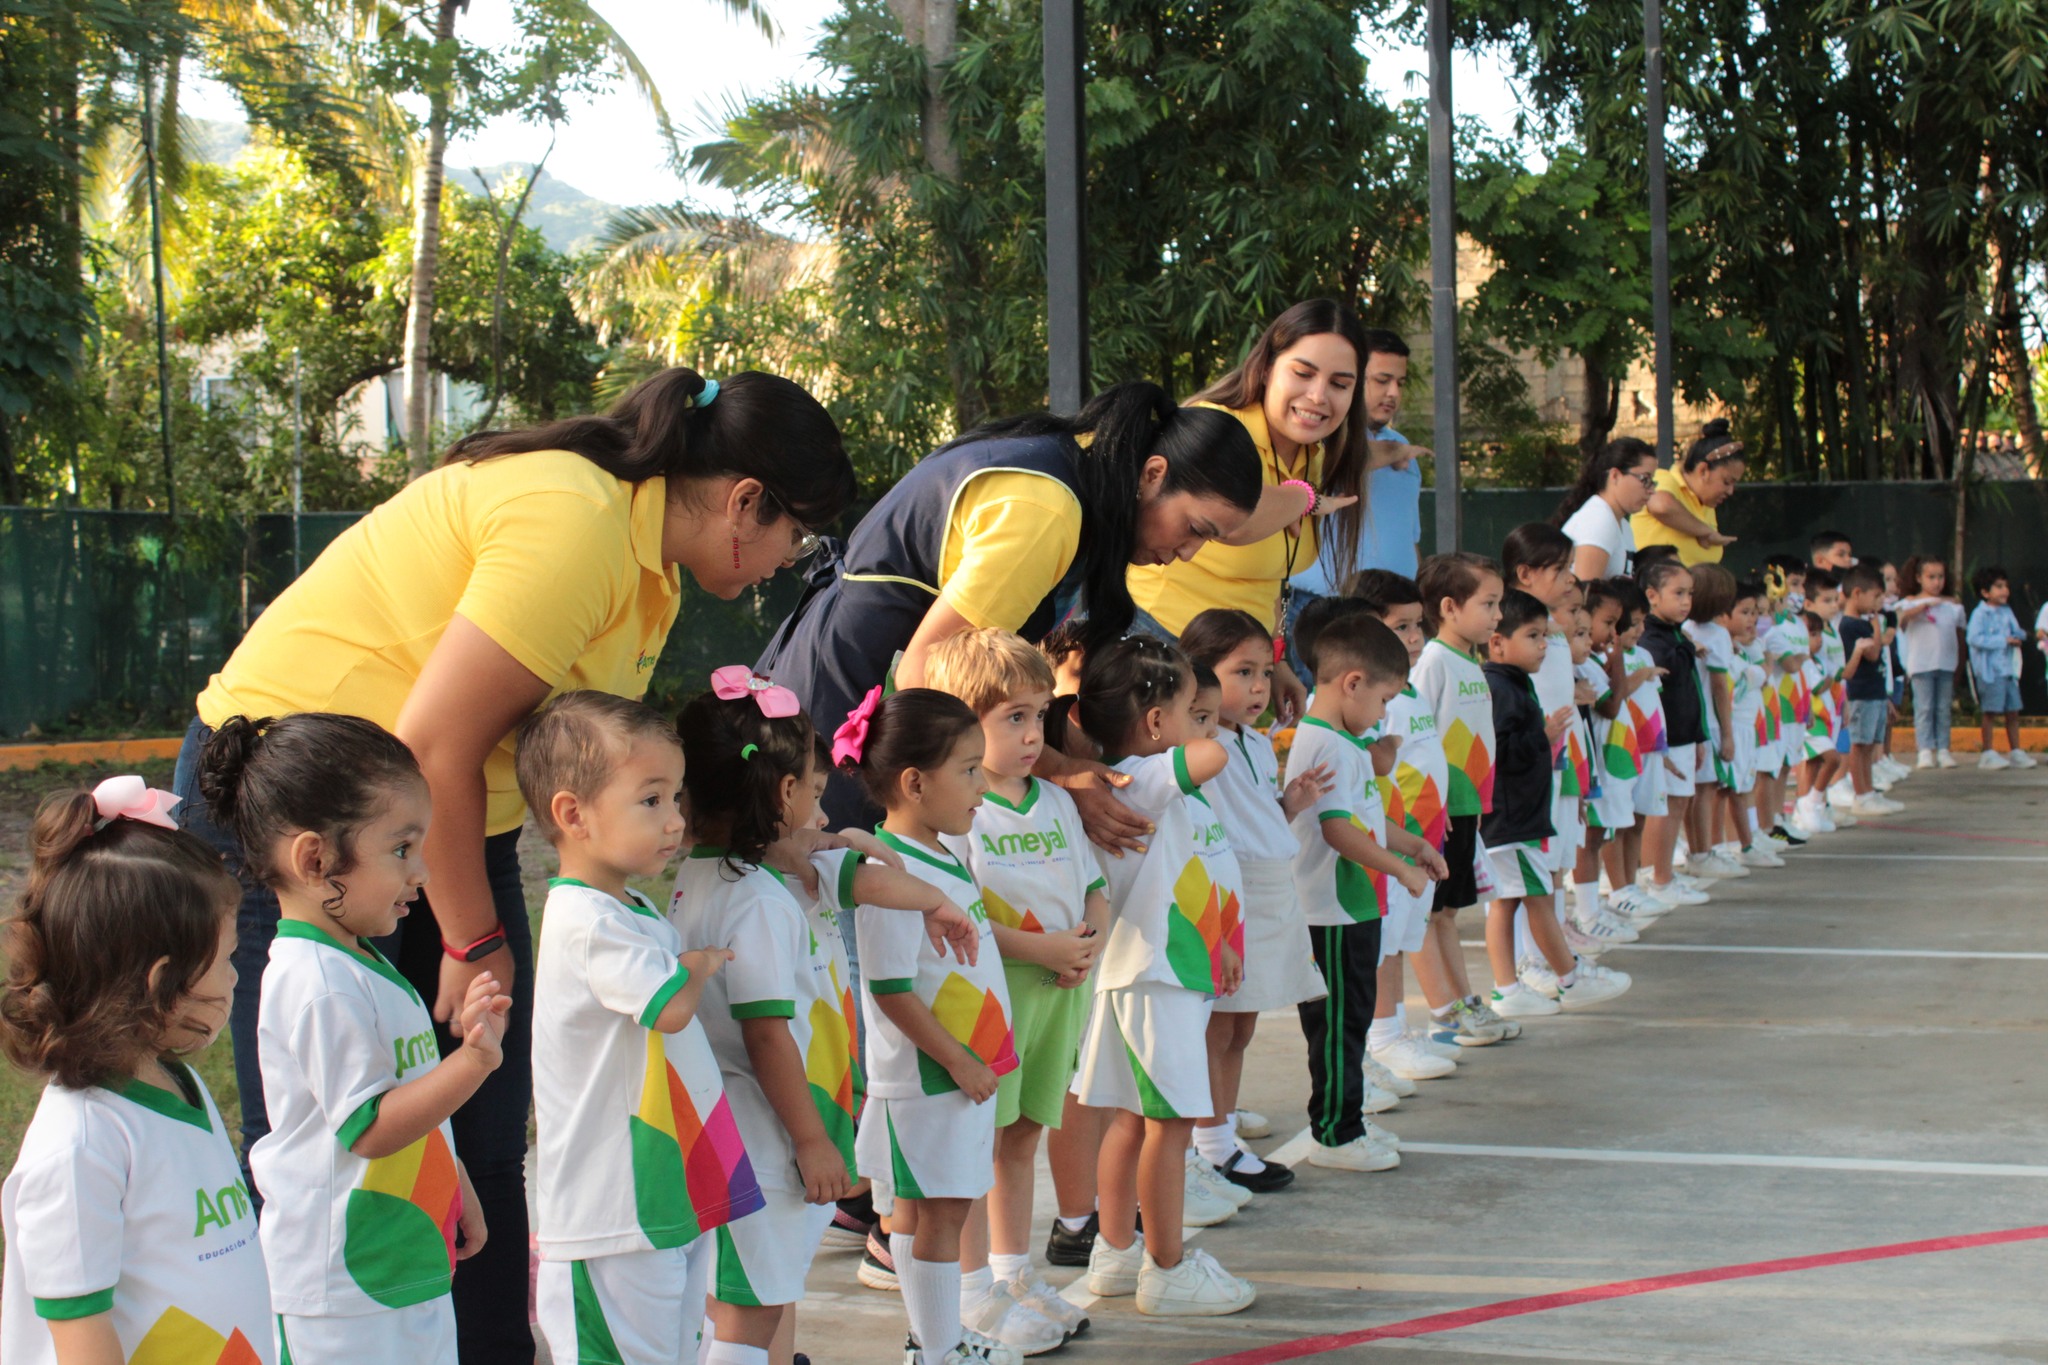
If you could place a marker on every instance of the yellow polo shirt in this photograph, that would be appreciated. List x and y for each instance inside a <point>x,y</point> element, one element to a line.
<point>1650,531</point>
<point>1010,538</point>
<point>554,559</point>
<point>1244,577</point>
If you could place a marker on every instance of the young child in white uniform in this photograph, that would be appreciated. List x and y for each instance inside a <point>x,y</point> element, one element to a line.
<point>1642,714</point>
<point>130,1233</point>
<point>777,1017</point>
<point>1169,955</point>
<point>938,1030</point>
<point>366,1207</point>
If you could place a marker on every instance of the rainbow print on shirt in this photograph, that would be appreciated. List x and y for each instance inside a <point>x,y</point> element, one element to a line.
<point>1008,915</point>
<point>1622,753</point>
<point>1471,771</point>
<point>1360,890</point>
<point>975,1017</point>
<point>399,1225</point>
<point>690,1174</point>
<point>1422,804</point>
<point>178,1338</point>
<point>1201,920</point>
<point>1649,728</point>
<point>1574,764</point>
<point>837,1086</point>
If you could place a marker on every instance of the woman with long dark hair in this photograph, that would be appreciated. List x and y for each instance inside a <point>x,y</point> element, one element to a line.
<point>1614,486</point>
<point>1010,527</point>
<point>530,563</point>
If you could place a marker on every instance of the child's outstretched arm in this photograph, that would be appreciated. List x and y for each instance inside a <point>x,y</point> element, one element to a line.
<point>916,1021</point>
<point>945,924</point>
<point>408,1112</point>
<point>779,1068</point>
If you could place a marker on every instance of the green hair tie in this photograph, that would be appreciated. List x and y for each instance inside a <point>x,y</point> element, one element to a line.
<point>747,751</point>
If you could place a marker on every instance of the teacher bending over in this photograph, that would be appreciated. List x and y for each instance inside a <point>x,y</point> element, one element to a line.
<point>1011,527</point>
<point>530,563</point>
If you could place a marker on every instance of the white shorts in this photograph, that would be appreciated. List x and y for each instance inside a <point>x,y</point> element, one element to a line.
<point>1147,1052</point>
<point>1568,818</point>
<point>1647,792</point>
<point>1615,807</point>
<point>423,1332</point>
<point>1744,768</point>
<point>928,1146</point>
<point>1279,966</point>
<point>1521,871</point>
<point>1404,927</point>
<point>1482,870</point>
<point>638,1307</point>
<point>1681,767</point>
<point>763,1258</point>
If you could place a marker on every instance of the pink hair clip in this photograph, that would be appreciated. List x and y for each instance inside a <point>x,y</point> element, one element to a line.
<point>850,740</point>
<point>130,798</point>
<point>735,681</point>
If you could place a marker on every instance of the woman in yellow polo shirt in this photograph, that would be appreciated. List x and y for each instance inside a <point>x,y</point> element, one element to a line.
<point>1684,509</point>
<point>530,563</point>
<point>1298,395</point>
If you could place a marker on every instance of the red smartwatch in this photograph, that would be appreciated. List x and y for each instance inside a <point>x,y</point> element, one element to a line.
<point>482,948</point>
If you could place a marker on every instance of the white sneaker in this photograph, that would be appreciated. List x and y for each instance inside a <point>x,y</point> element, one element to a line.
<point>1041,1298</point>
<point>1450,1052</point>
<point>1675,892</point>
<point>1842,795</point>
<point>1638,908</point>
<point>1381,1137</point>
<point>1761,854</point>
<point>1590,985</point>
<point>1196,1288</point>
<point>1112,1273</point>
<point>1199,1168</point>
<point>1991,758</point>
<point>1944,759</point>
<point>1813,812</point>
<point>1252,1124</point>
<point>1881,778</point>
<point>1201,1206</point>
<point>1519,1002</point>
<point>1378,1100</point>
<point>1895,770</point>
<point>1870,803</point>
<point>969,1352</point>
<point>1400,1087</point>
<point>1359,1154</point>
<point>1715,863</point>
<point>1537,976</point>
<point>2020,758</point>
<point>1843,819</point>
<point>1925,760</point>
<point>1579,941</point>
<point>1771,842</point>
<point>1602,927</point>
<point>1407,1058</point>
<point>997,1317</point>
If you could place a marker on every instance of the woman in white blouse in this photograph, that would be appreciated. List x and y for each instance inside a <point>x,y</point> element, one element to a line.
<point>1614,486</point>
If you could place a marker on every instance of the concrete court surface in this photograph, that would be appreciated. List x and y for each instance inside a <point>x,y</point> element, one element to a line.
<point>1793,1075</point>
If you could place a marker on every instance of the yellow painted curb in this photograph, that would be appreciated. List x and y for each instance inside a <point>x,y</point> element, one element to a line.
<point>1967,740</point>
<point>14,756</point>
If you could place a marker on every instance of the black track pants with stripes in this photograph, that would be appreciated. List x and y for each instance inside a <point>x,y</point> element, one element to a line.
<point>1348,956</point>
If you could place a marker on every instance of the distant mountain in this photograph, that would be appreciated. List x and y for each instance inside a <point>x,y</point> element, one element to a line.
<point>568,218</point>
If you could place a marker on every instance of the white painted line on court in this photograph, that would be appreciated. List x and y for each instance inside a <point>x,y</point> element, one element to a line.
<point>1804,856</point>
<point>1943,953</point>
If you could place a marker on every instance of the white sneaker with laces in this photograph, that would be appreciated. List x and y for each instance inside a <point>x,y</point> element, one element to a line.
<point>1992,759</point>
<point>1579,941</point>
<point>1519,1002</point>
<point>1842,795</point>
<point>1196,1288</point>
<point>1378,1099</point>
<point>1408,1059</point>
<point>1675,892</point>
<point>1944,759</point>
<point>1201,1206</point>
<point>1715,863</point>
<point>1235,1195</point>
<point>1359,1154</point>
<point>1041,1298</point>
<point>1925,759</point>
<point>1602,927</point>
<point>2020,758</point>
<point>1772,842</point>
<point>1592,984</point>
<point>1112,1273</point>
<point>1400,1087</point>
<point>1381,1137</point>
<point>1450,1052</point>
<point>997,1317</point>
<point>1761,854</point>
<point>1537,976</point>
<point>969,1352</point>
<point>1870,803</point>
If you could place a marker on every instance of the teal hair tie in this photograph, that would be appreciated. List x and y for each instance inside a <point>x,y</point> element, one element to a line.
<point>747,751</point>
<point>704,399</point>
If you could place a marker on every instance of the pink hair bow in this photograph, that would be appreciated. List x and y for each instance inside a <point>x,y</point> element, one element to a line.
<point>850,740</point>
<point>735,681</point>
<point>129,798</point>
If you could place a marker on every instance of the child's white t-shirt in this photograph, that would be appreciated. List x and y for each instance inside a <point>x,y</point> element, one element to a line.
<point>1452,684</point>
<point>780,969</point>
<point>1421,775</point>
<point>1718,659</point>
<point>1746,691</point>
<point>638,1147</point>
<point>1928,643</point>
<point>128,1200</point>
<point>1333,890</point>
<point>1173,915</point>
<point>1553,683</point>
<point>971,1002</point>
<point>1246,795</point>
<point>344,1235</point>
<point>1614,738</point>
<point>1031,860</point>
<point>1645,709</point>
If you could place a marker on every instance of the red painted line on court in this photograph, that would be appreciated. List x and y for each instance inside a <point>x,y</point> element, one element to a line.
<point>1952,834</point>
<point>1542,1303</point>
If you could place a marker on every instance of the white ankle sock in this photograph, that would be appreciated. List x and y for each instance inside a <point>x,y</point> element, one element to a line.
<point>1010,1269</point>
<point>732,1353</point>
<point>931,1297</point>
<point>1384,1031</point>
<point>975,1284</point>
<point>1074,1224</point>
<point>1215,1145</point>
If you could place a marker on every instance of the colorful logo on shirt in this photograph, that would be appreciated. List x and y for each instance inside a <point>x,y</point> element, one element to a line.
<point>1471,771</point>
<point>1202,919</point>
<point>178,1338</point>
<point>974,1017</point>
<point>399,1243</point>
<point>690,1174</point>
<point>1422,803</point>
<point>1009,916</point>
<point>1649,728</point>
<point>829,1065</point>
<point>1575,770</point>
<point>1622,753</point>
<point>1361,891</point>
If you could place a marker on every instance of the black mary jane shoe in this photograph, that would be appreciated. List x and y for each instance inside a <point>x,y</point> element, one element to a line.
<point>1273,1177</point>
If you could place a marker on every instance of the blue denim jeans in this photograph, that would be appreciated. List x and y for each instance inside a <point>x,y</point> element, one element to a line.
<point>1934,696</point>
<point>490,1129</point>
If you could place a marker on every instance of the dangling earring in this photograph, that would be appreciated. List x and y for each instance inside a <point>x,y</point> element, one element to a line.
<point>735,550</point>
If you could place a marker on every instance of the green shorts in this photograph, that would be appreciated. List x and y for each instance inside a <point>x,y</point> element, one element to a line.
<point>1048,1022</point>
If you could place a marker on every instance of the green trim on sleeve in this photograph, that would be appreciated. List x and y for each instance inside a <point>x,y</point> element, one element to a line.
<point>79,1306</point>
<point>765,1009</point>
<point>658,1002</point>
<point>1188,785</point>
<point>1099,884</point>
<point>849,872</point>
<point>358,1123</point>
<point>893,985</point>
<point>1335,815</point>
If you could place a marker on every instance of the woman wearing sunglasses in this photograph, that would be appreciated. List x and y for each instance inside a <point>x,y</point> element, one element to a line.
<point>1616,484</point>
<point>530,563</point>
<point>1684,510</point>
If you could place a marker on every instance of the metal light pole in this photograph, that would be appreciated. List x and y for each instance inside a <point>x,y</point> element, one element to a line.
<point>1066,209</point>
<point>156,270</point>
<point>1660,222</point>
<point>1443,276</point>
<point>298,467</point>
